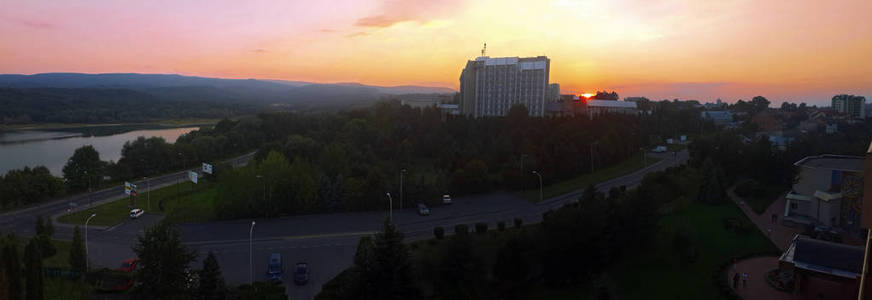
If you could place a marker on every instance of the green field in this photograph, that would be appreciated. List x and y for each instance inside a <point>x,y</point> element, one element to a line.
<point>656,271</point>
<point>181,204</point>
<point>625,167</point>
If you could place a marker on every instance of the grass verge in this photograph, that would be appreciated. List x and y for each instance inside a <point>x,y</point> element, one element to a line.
<point>185,202</point>
<point>660,273</point>
<point>627,166</point>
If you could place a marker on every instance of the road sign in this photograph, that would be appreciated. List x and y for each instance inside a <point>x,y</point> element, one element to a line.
<point>129,187</point>
<point>207,168</point>
<point>192,176</point>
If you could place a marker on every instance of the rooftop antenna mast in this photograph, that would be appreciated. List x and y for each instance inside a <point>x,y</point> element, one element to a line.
<point>484,50</point>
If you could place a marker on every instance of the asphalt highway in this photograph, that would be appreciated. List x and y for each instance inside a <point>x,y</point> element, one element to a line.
<point>326,242</point>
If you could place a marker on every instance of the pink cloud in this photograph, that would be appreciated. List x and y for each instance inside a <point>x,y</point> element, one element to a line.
<point>392,12</point>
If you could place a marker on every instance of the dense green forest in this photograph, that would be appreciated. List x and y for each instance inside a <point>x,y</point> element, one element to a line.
<point>348,160</point>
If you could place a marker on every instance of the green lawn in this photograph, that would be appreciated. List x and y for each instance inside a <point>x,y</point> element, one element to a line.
<point>658,273</point>
<point>181,204</point>
<point>625,167</point>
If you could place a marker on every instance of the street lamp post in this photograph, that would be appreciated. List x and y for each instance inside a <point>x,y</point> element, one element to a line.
<point>402,195</point>
<point>88,258</point>
<point>540,184</point>
<point>390,208</point>
<point>250,251</point>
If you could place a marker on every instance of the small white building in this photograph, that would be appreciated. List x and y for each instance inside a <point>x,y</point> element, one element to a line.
<point>600,107</point>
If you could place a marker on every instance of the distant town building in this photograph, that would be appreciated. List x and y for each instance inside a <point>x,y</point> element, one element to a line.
<point>600,107</point>
<point>828,192</point>
<point>424,100</point>
<point>606,95</point>
<point>450,109</point>
<point>553,94</point>
<point>491,86</point>
<point>850,105</point>
<point>719,117</point>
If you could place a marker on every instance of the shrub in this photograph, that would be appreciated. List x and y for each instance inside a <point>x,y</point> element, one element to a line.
<point>501,225</point>
<point>480,227</point>
<point>461,229</point>
<point>439,232</point>
<point>518,222</point>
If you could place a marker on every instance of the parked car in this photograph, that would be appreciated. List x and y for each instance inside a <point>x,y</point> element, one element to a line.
<point>446,199</point>
<point>301,274</point>
<point>136,213</point>
<point>129,265</point>
<point>275,268</point>
<point>423,210</point>
<point>659,149</point>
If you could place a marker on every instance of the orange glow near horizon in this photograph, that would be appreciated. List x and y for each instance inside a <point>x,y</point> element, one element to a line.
<point>587,95</point>
<point>732,49</point>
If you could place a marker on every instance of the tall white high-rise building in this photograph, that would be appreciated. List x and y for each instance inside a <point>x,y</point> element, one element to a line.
<point>491,86</point>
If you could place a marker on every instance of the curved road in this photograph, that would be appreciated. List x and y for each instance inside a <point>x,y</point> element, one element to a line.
<point>326,241</point>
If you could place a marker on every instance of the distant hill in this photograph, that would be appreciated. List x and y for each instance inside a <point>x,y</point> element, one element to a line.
<point>111,92</point>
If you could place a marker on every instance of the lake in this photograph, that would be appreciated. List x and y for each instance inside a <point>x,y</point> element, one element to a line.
<point>53,148</point>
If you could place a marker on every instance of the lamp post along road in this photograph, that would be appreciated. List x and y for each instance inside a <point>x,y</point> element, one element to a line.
<point>250,254</point>
<point>87,257</point>
<point>540,184</point>
<point>390,208</point>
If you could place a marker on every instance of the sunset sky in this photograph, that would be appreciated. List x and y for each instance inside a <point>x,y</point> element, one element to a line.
<point>693,49</point>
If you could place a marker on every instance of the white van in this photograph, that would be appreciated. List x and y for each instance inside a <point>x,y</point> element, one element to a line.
<point>136,212</point>
<point>446,199</point>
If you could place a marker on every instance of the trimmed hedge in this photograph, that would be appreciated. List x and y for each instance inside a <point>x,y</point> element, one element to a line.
<point>461,229</point>
<point>439,232</point>
<point>481,227</point>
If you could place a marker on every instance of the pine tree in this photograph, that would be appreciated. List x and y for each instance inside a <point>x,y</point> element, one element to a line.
<point>78,257</point>
<point>211,285</point>
<point>393,266</point>
<point>44,230</point>
<point>12,266</point>
<point>33,270</point>
<point>164,261</point>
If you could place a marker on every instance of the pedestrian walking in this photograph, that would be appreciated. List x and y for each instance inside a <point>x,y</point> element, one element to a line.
<point>744,279</point>
<point>774,218</point>
<point>734,266</point>
<point>736,281</point>
<point>769,231</point>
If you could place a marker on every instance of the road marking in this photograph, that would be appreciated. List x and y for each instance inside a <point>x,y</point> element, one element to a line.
<point>286,238</point>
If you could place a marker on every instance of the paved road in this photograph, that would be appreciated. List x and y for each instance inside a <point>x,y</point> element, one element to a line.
<point>327,242</point>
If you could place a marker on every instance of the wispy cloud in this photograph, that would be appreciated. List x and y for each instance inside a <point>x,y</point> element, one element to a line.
<point>30,22</point>
<point>392,12</point>
<point>259,51</point>
<point>357,34</point>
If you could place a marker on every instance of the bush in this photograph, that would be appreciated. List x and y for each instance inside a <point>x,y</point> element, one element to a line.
<point>750,188</point>
<point>518,222</point>
<point>501,225</point>
<point>461,229</point>
<point>439,232</point>
<point>480,227</point>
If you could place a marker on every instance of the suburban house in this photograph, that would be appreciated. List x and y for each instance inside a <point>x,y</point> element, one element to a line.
<point>812,264</point>
<point>827,192</point>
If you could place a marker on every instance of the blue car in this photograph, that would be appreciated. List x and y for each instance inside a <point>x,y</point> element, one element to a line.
<point>274,269</point>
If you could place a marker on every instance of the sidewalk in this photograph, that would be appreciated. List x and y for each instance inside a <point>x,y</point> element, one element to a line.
<point>780,235</point>
<point>757,267</point>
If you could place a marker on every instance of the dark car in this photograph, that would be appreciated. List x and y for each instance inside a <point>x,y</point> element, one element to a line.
<point>129,265</point>
<point>301,274</point>
<point>274,269</point>
<point>423,210</point>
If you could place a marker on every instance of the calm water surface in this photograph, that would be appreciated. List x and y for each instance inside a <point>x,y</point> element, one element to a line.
<point>52,149</point>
